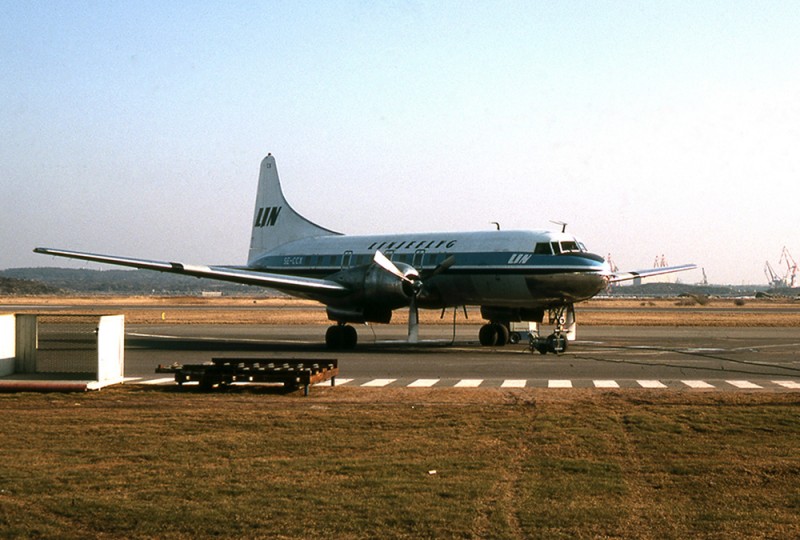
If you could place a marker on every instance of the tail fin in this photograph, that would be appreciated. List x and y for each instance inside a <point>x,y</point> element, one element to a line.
<point>274,221</point>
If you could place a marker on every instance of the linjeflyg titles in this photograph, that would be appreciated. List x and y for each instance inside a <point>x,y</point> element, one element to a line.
<point>412,244</point>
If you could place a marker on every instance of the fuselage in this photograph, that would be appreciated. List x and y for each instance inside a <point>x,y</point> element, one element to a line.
<point>525,269</point>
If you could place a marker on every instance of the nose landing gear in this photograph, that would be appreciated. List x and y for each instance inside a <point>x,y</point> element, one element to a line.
<point>564,319</point>
<point>555,343</point>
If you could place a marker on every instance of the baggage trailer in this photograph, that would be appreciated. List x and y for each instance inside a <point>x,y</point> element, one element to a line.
<point>221,372</point>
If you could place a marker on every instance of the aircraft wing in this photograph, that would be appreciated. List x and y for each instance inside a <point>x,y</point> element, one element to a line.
<point>625,276</point>
<point>222,273</point>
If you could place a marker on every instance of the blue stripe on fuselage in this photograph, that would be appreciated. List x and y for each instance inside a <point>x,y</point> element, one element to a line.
<point>470,263</point>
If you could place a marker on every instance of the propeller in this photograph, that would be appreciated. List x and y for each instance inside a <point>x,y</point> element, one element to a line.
<point>416,287</point>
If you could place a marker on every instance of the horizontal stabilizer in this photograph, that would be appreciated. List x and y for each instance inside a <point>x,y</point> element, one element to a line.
<point>626,276</point>
<point>232,274</point>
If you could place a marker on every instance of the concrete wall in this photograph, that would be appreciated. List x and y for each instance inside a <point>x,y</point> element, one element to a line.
<point>26,338</point>
<point>19,343</point>
<point>111,348</point>
<point>8,341</point>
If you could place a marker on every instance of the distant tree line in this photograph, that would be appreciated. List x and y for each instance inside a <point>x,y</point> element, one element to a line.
<point>128,282</point>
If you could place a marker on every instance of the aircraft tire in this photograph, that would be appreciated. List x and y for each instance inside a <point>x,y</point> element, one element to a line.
<point>502,334</point>
<point>341,337</point>
<point>334,338</point>
<point>487,335</point>
<point>556,344</point>
<point>350,336</point>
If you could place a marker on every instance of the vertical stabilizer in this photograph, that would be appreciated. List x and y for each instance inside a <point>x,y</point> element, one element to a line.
<point>274,221</point>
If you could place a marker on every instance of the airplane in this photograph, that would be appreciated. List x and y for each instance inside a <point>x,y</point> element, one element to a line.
<point>514,276</point>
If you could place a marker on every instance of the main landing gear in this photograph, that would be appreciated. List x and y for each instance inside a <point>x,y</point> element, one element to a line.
<point>341,336</point>
<point>494,334</point>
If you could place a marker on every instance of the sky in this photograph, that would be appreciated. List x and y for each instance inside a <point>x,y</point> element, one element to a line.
<point>650,127</point>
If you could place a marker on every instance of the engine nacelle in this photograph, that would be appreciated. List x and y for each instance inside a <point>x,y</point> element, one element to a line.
<point>376,293</point>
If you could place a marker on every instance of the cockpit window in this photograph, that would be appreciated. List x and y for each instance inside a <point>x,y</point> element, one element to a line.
<point>556,247</point>
<point>542,248</point>
<point>569,247</point>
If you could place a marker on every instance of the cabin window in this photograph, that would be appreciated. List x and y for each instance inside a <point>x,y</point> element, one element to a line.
<point>542,248</point>
<point>556,247</point>
<point>346,259</point>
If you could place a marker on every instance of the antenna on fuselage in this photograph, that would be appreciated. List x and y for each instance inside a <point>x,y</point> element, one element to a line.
<point>563,225</point>
<point>496,224</point>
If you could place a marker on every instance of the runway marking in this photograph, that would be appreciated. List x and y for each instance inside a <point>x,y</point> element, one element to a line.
<point>468,383</point>
<point>423,383</point>
<point>516,383</point>
<point>339,382</point>
<point>698,384</point>
<point>651,384</point>
<point>378,383</point>
<point>744,384</point>
<point>606,384</point>
<point>165,380</point>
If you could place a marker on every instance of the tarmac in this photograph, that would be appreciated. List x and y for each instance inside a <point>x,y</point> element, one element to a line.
<point>685,358</point>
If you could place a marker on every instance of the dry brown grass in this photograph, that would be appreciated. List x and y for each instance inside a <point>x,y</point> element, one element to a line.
<point>356,463</point>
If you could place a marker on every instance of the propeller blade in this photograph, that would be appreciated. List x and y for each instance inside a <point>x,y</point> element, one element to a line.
<point>413,321</point>
<point>381,260</point>
<point>445,264</point>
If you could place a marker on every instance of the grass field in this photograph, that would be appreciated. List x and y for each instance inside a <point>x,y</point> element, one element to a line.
<point>400,463</point>
<point>132,461</point>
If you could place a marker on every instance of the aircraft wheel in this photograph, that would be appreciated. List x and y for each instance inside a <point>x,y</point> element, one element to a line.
<point>502,334</point>
<point>341,337</point>
<point>488,335</point>
<point>514,338</point>
<point>350,337</point>
<point>556,344</point>
<point>334,338</point>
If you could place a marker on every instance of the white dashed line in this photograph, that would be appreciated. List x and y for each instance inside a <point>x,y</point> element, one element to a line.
<point>794,385</point>
<point>165,380</point>
<point>378,383</point>
<point>697,384</point>
<point>339,382</point>
<point>606,384</point>
<point>651,384</point>
<point>423,383</point>
<point>469,383</point>
<point>518,383</point>
<point>746,385</point>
